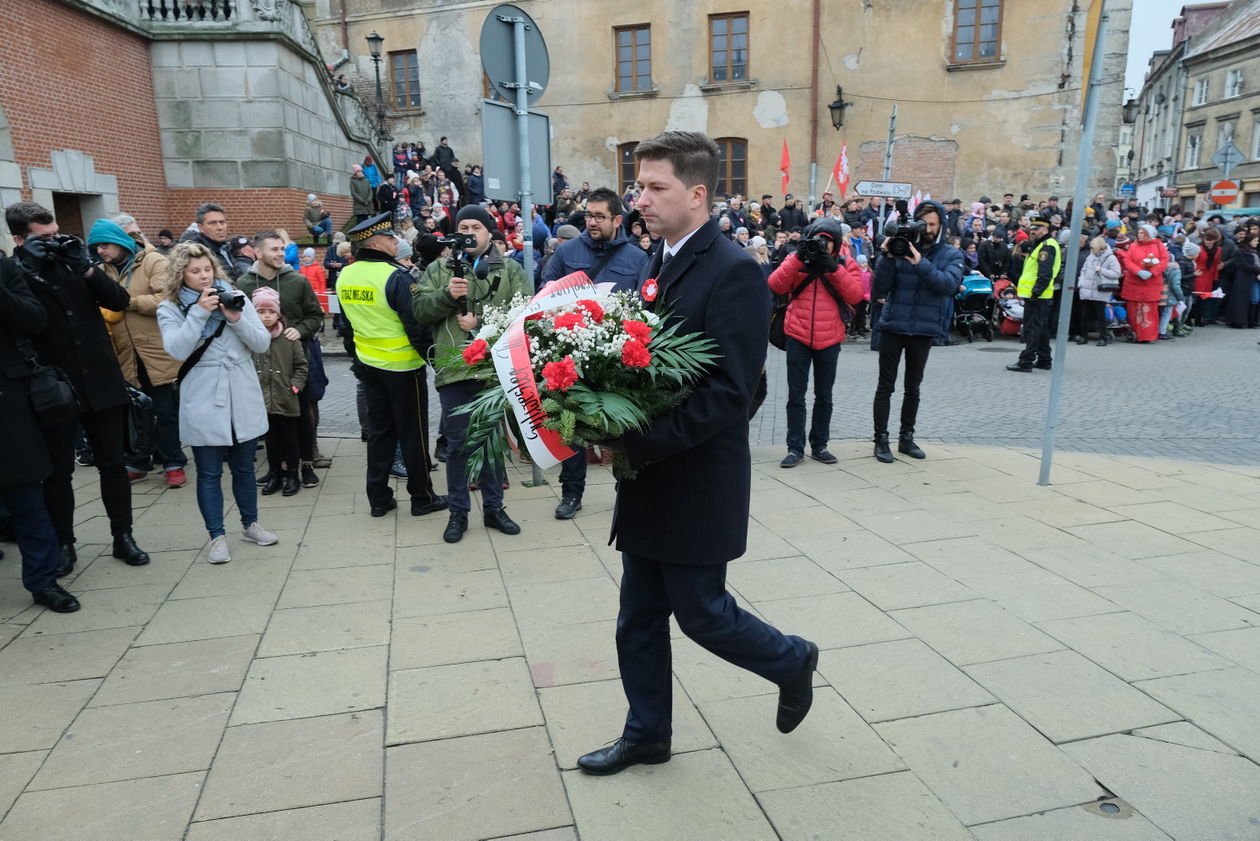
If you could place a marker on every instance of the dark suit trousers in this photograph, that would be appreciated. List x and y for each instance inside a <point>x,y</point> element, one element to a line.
<point>105,429</point>
<point>696,595</point>
<point>36,538</point>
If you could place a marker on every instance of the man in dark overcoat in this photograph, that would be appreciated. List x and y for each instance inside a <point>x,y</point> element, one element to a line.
<point>685,514</point>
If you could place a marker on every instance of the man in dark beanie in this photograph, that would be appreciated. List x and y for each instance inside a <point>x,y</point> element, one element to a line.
<point>453,306</point>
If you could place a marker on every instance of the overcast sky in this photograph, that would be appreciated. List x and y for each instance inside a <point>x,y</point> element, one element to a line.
<point>1149,30</point>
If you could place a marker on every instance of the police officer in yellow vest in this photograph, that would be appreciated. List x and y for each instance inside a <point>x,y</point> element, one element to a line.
<point>375,295</point>
<point>1036,288</point>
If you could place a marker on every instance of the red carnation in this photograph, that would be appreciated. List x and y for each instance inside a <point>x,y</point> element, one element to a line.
<point>638,330</point>
<point>571,320</point>
<point>635,355</point>
<point>593,309</point>
<point>560,375</point>
<point>535,317</point>
<point>476,351</point>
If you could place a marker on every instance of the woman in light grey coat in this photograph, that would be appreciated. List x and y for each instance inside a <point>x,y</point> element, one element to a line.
<point>1101,268</point>
<point>221,411</point>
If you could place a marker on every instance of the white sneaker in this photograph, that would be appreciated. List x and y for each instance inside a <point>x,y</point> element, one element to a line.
<point>219,551</point>
<point>257,534</point>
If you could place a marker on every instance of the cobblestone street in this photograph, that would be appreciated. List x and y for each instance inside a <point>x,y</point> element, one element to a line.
<point>1196,398</point>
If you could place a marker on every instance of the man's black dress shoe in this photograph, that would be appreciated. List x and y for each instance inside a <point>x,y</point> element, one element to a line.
<point>455,527</point>
<point>419,509</point>
<point>1022,369</point>
<point>56,599</point>
<point>1043,366</point>
<point>384,508</point>
<point>797,695</point>
<point>497,518</point>
<point>126,550</point>
<point>68,559</point>
<point>621,754</point>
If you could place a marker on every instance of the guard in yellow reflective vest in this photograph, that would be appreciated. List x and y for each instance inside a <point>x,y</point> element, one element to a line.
<point>375,295</point>
<point>1036,288</point>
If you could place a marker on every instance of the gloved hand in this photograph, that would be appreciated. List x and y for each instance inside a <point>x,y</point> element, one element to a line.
<point>75,254</point>
<point>32,254</point>
<point>1144,274</point>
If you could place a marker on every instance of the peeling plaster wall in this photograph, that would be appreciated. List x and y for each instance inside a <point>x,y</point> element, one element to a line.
<point>1010,125</point>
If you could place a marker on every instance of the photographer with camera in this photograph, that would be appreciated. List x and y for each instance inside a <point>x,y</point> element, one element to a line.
<point>452,294</point>
<point>22,451</point>
<point>1036,289</point>
<point>389,349</point>
<point>916,276</point>
<point>606,255</point>
<point>73,291</point>
<point>822,287</point>
<point>214,331</point>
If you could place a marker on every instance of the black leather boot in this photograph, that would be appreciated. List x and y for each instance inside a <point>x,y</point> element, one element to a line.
<point>882,451</point>
<point>126,550</point>
<point>906,445</point>
<point>275,481</point>
<point>68,560</point>
<point>1253,315</point>
<point>292,484</point>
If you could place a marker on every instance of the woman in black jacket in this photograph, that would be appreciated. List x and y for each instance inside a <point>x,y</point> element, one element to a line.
<point>22,451</point>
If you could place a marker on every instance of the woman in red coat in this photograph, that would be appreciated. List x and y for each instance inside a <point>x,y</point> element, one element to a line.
<point>1144,262</point>
<point>1207,276</point>
<point>814,331</point>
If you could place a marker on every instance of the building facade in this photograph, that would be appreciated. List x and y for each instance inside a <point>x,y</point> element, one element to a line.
<point>988,91</point>
<point>111,106</point>
<point>1201,95</point>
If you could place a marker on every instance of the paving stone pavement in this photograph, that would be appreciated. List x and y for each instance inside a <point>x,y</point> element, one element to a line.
<point>1196,398</point>
<point>1000,661</point>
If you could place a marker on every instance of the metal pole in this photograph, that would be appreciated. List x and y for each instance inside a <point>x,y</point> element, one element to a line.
<point>813,183</point>
<point>888,150</point>
<point>526,190</point>
<point>1074,249</point>
<point>380,97</point>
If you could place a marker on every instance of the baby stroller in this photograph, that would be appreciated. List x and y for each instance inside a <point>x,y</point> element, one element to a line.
<point>973,306</point>
<point>1008,312</point>
<point>1118,320</point>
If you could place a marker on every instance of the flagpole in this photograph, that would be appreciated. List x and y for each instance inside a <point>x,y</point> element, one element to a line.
<point>1093,83</point>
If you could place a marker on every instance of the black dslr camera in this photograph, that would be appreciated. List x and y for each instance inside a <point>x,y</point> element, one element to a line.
<point>902,235</point>
<point>231,299</point>
<point>62,246</point>
<point>813,251</point>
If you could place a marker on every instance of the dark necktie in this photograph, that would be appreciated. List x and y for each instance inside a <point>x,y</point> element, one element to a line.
<point>665,260</point>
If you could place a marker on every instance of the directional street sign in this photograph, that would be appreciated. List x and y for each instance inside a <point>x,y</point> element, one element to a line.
<point>893,189</point>
<point>1128,189</point>
<point>1227,157</point>
<point>1223,192</point>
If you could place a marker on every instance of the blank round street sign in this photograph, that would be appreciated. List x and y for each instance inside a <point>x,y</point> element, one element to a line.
<point>498,54</point>
<point>1223,192</point>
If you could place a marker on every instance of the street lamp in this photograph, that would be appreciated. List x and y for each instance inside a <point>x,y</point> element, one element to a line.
<point>374,47</point>
<point>1129,111</point>
<point>837,109</point>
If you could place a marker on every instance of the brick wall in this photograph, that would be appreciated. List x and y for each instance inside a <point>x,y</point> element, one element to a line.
<point>72,81</point>
<point>250,211</point>
<point>927,164</point>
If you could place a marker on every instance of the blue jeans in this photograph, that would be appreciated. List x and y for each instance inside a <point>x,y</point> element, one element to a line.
<point>240,459</point>
<point>322,228</point>
<point>453,396</point>
<point>799,358</point>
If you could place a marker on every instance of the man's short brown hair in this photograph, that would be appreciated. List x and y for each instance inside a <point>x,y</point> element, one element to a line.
<point>693,155</point>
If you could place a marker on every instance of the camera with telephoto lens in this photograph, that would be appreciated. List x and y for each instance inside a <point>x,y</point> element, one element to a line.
<point>231,299</point>
<point>459,242</point>
<point>813,251</point>
<point>902,235</point>
<point>61,246</point>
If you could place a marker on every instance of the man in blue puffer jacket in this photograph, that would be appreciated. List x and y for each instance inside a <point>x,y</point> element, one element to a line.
<point>916,289</point>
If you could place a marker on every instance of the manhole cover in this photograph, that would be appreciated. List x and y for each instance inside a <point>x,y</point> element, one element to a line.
<point>999,349</point>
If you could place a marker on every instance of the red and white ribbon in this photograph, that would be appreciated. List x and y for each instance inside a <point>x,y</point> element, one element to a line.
<point>516,373</point>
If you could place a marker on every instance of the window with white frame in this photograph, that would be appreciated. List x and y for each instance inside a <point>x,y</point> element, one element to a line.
<point>1194,144</point>
<point>1200,92</point>
<point>1255,139</point>
<point>1233,83</point>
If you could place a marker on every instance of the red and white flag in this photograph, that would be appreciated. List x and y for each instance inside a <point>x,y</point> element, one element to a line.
<point>840,172</point>
<point>785,165</point>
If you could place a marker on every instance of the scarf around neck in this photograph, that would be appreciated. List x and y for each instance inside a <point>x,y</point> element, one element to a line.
<point>188,300</point>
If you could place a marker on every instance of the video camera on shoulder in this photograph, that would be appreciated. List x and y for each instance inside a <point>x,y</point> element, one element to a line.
<point>902,235</point>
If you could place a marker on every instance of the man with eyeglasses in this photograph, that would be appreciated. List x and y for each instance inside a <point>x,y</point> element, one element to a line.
<point>607,256</point>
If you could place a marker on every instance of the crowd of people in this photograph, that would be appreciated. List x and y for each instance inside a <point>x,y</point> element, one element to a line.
<point>214,339</point>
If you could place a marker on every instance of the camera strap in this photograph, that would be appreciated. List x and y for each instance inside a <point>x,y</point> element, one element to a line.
<point>191,361</point>
<point>603,262</point>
